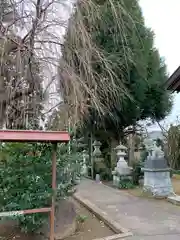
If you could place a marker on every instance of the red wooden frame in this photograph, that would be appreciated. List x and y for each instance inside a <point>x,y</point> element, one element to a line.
<point>33,136</point>
<point>37,136</point>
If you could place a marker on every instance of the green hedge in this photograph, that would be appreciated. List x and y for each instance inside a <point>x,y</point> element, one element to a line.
<point>25,179</point>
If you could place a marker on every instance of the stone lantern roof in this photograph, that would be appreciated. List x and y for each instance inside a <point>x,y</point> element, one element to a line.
<point>121,147</point>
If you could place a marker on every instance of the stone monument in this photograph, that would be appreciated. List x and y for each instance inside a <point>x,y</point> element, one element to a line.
<point>84,170</point>
<point>98,160</point>
<point>122,170</point>
<point>156,172</point>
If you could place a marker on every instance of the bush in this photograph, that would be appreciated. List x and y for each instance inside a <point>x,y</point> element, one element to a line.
<point>177,172</point>
<point>25,179</point>
<point>106,175</point>
<point>137,174</point>
<point>126,184</point>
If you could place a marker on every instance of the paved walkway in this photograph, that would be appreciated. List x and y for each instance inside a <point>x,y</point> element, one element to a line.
<point>145,218</point>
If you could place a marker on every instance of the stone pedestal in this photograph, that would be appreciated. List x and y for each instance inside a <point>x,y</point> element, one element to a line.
<point>157,174</point>
<point>158,182</point>
<point>121,171</point>
<point>98,160</point>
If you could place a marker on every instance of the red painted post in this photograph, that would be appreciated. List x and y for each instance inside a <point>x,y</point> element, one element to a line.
<point>52,220</point>
<point>37,136</point>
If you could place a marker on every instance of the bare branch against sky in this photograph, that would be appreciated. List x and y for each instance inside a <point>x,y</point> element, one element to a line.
<point>31,37</point>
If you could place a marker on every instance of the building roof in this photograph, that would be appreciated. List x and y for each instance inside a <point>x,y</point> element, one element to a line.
<point>173,83</point>
<point>33,136</point>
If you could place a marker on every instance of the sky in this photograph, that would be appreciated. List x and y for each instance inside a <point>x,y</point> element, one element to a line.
<point>164,18</point>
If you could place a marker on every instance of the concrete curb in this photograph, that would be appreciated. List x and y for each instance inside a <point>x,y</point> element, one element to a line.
<point>116,227</point>
<point>174,200</point>
<point>114,237</point>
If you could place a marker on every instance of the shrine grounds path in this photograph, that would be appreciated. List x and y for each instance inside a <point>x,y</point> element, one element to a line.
<point>146,219</point>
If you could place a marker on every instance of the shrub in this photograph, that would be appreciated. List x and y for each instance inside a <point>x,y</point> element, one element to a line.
<point>25,179</point>
<point>106,175</point>
<point>126,184</point>
<point>177,172</point>
<point>136,172</point>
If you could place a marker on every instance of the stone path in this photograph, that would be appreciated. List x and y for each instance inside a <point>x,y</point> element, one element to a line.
<point>145,218</point>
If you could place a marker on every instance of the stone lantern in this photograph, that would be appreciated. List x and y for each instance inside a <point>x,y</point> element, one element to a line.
<point>122,170</point>
<point>97,152</point>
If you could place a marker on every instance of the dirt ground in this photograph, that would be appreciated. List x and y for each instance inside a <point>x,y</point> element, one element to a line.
<point>176,184</point>
<point>15,234</point>
<point>88,228</point>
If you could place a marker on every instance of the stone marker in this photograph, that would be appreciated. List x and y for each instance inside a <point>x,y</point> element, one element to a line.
<point>156,172</point>
<point>84,169</point>
<point>98,160</point>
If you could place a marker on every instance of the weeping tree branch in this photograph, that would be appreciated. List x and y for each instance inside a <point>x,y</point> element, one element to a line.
<point>33,57</point>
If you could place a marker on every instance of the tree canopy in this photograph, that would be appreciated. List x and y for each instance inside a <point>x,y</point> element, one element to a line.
<point>137,90</point>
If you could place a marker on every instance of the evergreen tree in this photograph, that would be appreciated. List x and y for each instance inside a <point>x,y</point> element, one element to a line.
<point>138,91</point>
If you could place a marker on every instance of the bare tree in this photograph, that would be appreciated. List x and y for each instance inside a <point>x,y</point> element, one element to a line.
<point>31,36</point>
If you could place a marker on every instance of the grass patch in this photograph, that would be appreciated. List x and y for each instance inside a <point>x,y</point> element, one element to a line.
<point>176,177</point>
<point>82,218</point>
<point>176,184</point>
<point>138,191</point>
